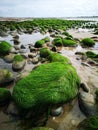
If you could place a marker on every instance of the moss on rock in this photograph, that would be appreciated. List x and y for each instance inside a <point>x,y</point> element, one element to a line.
<point>45,52</point>
<point>5,77</point>
<point>68,42</point>
<point>91,123</point>
<point>5,48</point>
<point>58,41</point>
<point>39,43</point>
<point>88,42</point>
<point>46,39</point>
<point>18,58</point>
<point>49,84</point>
<point>5,96</point>
<point>56,57</point>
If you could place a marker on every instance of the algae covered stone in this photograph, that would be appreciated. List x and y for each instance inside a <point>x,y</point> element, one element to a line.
<point>88,42</point>
<point>5,77</point>
<point>49,84</point>
<point>5,96</point>
<point>69,43</point>
<point>18,62</point>
<point>5,48</point>
<point>45,52</point>
<point>39,43</point>
<point>91,123</point>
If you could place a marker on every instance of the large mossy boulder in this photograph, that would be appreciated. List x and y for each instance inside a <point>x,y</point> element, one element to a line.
<point>5,96</point>
<point>91,123</point>
<point>41,128</point>
<point>39,43</point>
<point>88,42</point>
<point>5,48</point>
<point>5,77</point>
<point>18,62</point>
<point>49,84</point>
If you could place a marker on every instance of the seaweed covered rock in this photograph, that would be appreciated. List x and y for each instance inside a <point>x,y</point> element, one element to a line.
<point>90,123</point>
<point>18,62</point>
<point>5,96</point>
<point>49,84</point>
<point>45,52</point>
<point>58,41</point>
<point>69,43</point>
<point>41,128</point>
<point>5,48</point>
<point>46,39</point>
<point>39,43</point>
<point>91,54</point>
<point>87,42</point>
<point>56,57</point>
<point>5,77</point>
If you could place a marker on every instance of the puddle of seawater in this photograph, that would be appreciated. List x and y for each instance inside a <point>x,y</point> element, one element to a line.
<point>26,39</point>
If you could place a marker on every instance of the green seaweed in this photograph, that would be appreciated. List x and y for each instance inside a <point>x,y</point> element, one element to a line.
<point>91,123</point>
<point>88,42</point>
<point>39,43</point>
<point>18,58</point>
<point>5,96</point>
<point>48,84</point>
<point>68,42</point>
<point>45,52</point>
<point>5,48</point>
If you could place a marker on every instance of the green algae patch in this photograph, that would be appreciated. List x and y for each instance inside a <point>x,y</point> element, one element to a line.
<point>56,57</point>
<point>49,84</point>
<point>46,39</point>
<point>5,96</point>
<point>5,48</point>
<point>88,42</point>
<point>91,123</point>
<point>39,43</point>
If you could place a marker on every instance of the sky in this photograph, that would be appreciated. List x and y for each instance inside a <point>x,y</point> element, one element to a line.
<point>48,8</point>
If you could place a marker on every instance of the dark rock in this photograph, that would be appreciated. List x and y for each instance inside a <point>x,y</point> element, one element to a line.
<point>87,104</point>
<point>54,49</point>
<point>22,47</point>
<point>85,87</point>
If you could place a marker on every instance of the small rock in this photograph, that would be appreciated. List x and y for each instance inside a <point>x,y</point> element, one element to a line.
<point>35,60</point>
<point>54,49</point>
<point>56,111</point>
<point>9,58</point>
<point>32,55</point>
<point>6,77</point>
<point>18,65</point>
<point>17,47</point>
<point>22,47</point>
<point>85,87</point>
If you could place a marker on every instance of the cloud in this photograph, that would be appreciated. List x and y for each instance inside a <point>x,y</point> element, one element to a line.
<point>48,8</point>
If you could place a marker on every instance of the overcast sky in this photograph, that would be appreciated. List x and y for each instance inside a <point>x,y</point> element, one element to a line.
<point>48,8</point>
